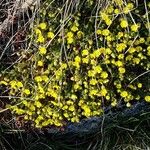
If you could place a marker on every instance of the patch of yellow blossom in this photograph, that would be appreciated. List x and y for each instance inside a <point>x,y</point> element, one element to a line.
<point>124,23</point>
<point>3,83</point>
<point>50,35</point>
<point>104,75</point>
<point>26,91</point>
<point>93,81</point>
<point>77,61</point>
<point>120,47</point>
<point>106,18</point>
<point>70,37</point>
<point>38,31</point>
<point>80,34</point>
<point>98,32</point>
<point>103,91</point>
<point>105,32</point>
<point>114,103</point>
<point>139,85</point>
<point>87,111</point>
<point>42,26</point>
<point>124,94</point>
<point>74,28</point>
<point>42,50</point>
<point>85,52</point>
<point>40,39</point>
<point>40,63</point>
<point>147,98</point>
<point>121,70</point>
<point>134,27</point>
<point>13,84</point>
<point>38,78</point>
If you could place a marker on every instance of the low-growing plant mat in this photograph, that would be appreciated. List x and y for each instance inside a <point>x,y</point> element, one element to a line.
<point>79,79</point>
<point>128,129</point>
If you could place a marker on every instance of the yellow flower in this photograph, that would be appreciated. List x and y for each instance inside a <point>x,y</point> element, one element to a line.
<point>114,103</point>
<point>124,94</point>
<point>40,63</point>
<point>63,65</point>
<point>71,108</point>
<point>93,81</point>
<point>124,23</point>
<point>69,40</point>
<point>141,40</point>
<point>66,115</point>
<point>74,28</point>
<point>103,92</point>
<point>42,26</point>
<point>108,51</point>
<point>132,50</point>
<point>40,39</point>
<point>38,31</point>
<point>97,53</point>
<point>77,59</point>
<point>139,85</point>
<point>69,102</point>
<point>134,27</point>
<point>104,75</point>
<point>98,32</point>
<point>126,10</point>
<point>119,63</point>
<point>87,110</point>
<point>19,84</point>
<point>73,96</point>
<point>105,32</point>
<point>120,47</point>
<point>85,60</point>
<point>93,92</point>
<point>147,98</point>
<point>120,56</point>
<point>97,69</point>
<point>50,35</point>
<point>90,42</point>
<point>108,22</point>
<point>103,15</point>
<point>122,70</point>
<point>79,34</point>
<point>110,9</point>
<point>3,82</point>
<point>42,50</point>
<point>13,84</point>
<point>38,79</point>
<point>85,52</point>
<point>120,34</point>
<point>116,11</point>
<point>136,60</point>
<point>75,119</point>
<point>76,86</point>
<point>38,104</point>
<point>69,34</point>
<point>130,5</point>
<point>91,73</point>
<point>65,107</point>
<point>26,91</point>
<point>41,90</point>
<point>109,38</point>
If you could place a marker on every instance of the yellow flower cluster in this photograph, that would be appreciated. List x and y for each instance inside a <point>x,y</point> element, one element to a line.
<point>86,65</point>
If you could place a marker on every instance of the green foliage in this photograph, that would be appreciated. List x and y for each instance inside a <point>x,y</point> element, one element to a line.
<point>82,58</point>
